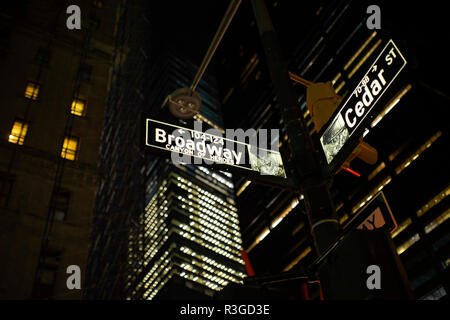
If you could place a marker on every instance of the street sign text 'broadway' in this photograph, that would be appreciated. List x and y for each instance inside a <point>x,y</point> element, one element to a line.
<point>194,146</point>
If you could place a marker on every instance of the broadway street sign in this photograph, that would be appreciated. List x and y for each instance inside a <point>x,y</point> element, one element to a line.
<point>192,146</point>
<point>360,103</point>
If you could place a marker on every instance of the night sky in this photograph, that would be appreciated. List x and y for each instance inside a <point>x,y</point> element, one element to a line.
<point>188,26</point>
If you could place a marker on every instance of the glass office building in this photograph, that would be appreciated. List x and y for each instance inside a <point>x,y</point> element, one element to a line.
<point>161,230</point>
<point>189,232</point>
<point>331,42</point>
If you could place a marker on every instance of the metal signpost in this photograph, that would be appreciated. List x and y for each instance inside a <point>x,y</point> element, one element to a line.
<point>352,116</point>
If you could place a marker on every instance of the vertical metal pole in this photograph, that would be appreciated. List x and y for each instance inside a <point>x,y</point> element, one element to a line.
<point>319,205</point>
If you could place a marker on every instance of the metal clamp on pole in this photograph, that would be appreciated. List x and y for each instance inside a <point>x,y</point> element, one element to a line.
<point>324,221</point>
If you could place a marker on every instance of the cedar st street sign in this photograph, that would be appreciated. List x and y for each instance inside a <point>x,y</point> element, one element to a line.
<point>360,103</point>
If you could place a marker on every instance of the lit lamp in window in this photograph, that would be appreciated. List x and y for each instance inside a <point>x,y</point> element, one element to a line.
<point>78,107</point>
<point>18,132</point>
<point>32,91</point>
<point>70,148</point>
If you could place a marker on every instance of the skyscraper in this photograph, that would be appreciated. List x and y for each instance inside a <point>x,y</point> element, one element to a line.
<point>192,235</point>
<point>161,230</point>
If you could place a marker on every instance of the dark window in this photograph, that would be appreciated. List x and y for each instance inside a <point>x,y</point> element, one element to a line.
<point>6,183</point>
<point>42,57</point>
<point>424,277</point>
<point>441,242</point>
<point>61,204</point>
<point>48,267</point>
<point>85,73</point>
<point>97,3</point>
<point>48,276</point>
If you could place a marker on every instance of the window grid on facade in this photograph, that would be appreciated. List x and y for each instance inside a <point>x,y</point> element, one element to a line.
<point>70,148</point>
<point>32,90</point>
<point>212,226</point>
<point>18,132</point>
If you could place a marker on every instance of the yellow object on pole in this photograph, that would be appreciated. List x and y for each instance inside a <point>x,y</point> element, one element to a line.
<point>321,101</point>
<point>364,152</point>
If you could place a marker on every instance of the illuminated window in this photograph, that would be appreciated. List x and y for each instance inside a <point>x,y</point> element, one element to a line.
<point>18,132</point>
<point>394,155</point>
<point>336,78</point>
<point>401,227</point>
<point>343,219</point>
<point>364,58</point>
<point>249,68</point>
<point>298,228</point>
<point>419,151</point>
<point>380,167</point>
<point>436,199</point>
<point>297,260</point>
<point>391,104</point>
<point>32,91</point>
<point>339,87</point>
<point>227,96</point>
<point>70,148</point>
<point>243,187</point>
<point>357,53</point>
<point>405,246</point>
<point>436,222</point>
<point>374,191</point>
<point>78,107</point>
<point>445,263</point>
